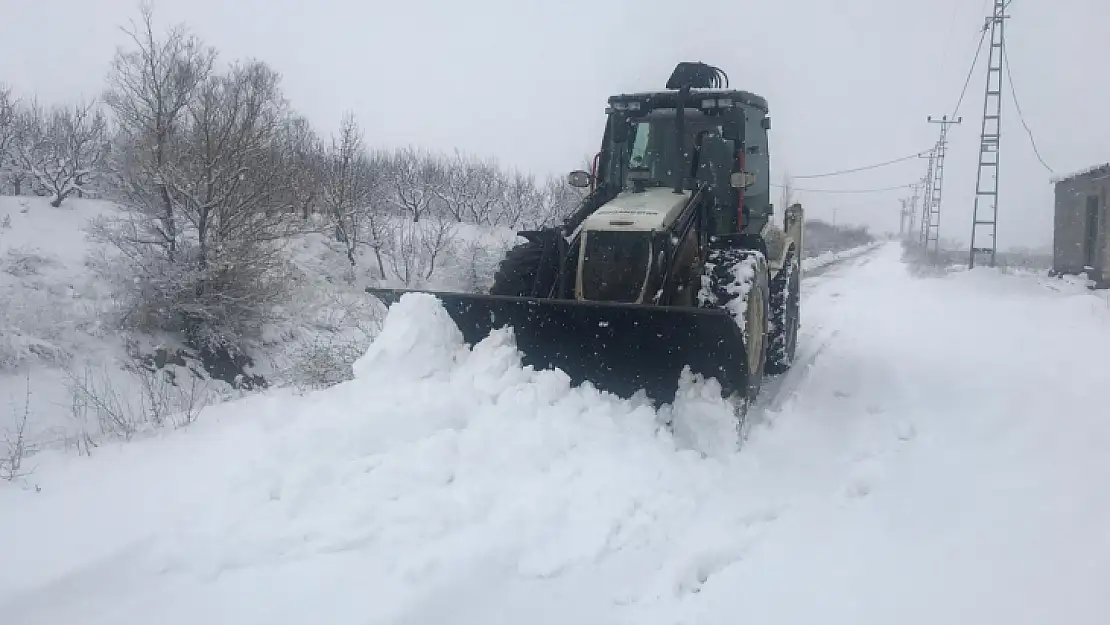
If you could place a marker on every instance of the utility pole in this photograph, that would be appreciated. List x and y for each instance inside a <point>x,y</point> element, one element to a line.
<point>984,225</point>
<point>932,217</point>
<point>913,209</point>
<point>927,206</point>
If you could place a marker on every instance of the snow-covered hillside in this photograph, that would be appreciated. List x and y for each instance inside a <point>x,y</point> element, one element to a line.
<point>62,354</point>
<point>936,455</point>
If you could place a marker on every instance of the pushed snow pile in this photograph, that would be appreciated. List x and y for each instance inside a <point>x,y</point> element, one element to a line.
<point>417,340</point>
<point>420,351</point>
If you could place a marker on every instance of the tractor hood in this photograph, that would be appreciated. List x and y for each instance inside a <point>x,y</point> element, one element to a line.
<point>651,209</point>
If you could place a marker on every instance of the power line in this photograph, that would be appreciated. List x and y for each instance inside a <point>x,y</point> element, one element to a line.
<point>903,159</point>
<point>1021,116</point>
<point>849,191</point>
<point>971,72</point>
<point>864,168</point>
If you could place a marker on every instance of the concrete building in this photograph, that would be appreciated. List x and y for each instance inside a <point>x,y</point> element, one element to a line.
<point>1081,232</point>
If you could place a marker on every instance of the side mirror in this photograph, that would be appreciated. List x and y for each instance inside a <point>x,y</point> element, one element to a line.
<point>742,180</point>
<point>579,179</point>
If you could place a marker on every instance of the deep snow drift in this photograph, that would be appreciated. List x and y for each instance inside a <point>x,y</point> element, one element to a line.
<point>937,455</point>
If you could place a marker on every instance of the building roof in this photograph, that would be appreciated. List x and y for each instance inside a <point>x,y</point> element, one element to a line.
<point>1090,172</point>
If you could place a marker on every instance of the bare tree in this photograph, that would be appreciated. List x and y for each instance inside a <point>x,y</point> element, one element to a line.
<point>149,89</point>
<point>346,188</point>
<point>304,157</point>
<point>520,200</point>
<point>62,150</point>
<point>472,189</point>
<point>418,180</point>
<point>8,133</point>
<point>557,201</point>
<point>205,191</point>
<point>415,248</point>
<point>227,185</point>
<point>228,178</point>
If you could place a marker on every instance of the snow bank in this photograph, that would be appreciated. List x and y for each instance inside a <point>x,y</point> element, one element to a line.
<point>827,258</point>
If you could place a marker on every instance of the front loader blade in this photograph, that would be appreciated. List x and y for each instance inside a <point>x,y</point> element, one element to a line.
<point>619,348</point>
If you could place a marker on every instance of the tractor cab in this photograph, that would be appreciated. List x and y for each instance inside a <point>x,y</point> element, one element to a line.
<point>693,135</point>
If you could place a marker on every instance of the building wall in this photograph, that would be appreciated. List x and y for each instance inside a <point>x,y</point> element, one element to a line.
<point>1069,231</point>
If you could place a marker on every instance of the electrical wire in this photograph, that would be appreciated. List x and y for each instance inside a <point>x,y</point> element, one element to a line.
<point>963,93</point>
<point>847,191</point>
<point>971,72</point>
<point>864,168</point>
<point>1021,116</point>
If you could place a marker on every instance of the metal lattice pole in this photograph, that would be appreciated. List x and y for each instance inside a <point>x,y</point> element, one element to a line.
<point>932,217</point>
<point>913,207</point>
<point>928,198</point>
<point>984,225</point>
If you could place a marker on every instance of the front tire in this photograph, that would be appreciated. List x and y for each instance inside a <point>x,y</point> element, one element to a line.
<point>523,272</point>
<point>738,283</point>
<point>785,316</point>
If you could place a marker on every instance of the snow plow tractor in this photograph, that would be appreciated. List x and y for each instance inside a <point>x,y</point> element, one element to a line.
<point>671,260</point>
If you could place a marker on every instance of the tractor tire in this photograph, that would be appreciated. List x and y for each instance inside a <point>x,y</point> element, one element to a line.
<point>517,273</point>
<point>752,315</point>
<point>786,297</point>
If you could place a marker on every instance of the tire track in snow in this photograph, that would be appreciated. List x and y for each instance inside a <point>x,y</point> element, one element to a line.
<point>819,285</point>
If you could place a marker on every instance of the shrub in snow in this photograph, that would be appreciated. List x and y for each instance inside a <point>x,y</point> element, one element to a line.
<point>16,445</point>
<point>110,402</point>
<point>23,264</point>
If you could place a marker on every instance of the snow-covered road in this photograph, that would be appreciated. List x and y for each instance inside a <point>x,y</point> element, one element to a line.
<point>941,454</point>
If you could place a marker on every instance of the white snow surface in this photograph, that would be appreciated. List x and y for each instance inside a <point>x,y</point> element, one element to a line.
<point>936,455</point>
<point>825,259</point>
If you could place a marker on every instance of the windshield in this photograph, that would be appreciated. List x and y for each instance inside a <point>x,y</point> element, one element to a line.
<point>651,146</point>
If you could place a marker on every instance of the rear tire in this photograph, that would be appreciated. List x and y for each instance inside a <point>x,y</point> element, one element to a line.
<point>785,318</point>
<point>516,275</point>
<point>753,318</point>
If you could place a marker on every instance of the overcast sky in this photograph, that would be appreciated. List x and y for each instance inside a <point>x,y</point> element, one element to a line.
<point>850,82</point>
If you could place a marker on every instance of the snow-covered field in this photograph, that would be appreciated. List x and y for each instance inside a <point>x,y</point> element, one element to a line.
<point>938,455</point>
